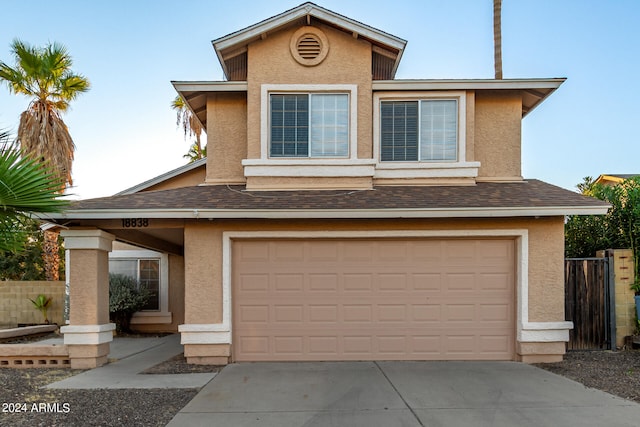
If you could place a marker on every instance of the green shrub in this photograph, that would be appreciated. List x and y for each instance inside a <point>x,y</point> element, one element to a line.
<point>125,298</point>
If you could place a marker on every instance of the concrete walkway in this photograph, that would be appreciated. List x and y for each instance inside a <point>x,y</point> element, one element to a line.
<point>400,394</point>
<point>129,357</point>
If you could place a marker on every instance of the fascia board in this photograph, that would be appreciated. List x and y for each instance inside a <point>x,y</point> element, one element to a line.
<point>164,177</point>
<point>210,86</point>
<point>256,30</point>
<point>328,213</point>
<point>464,84</point>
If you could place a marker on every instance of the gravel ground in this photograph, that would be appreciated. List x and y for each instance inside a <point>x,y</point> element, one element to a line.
<point>131,407</point>
<point>614,372</point>
<point>21,389</point>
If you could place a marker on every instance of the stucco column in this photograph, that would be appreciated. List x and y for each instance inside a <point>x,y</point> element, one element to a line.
<point>89,332</point>
<point>206,333</point>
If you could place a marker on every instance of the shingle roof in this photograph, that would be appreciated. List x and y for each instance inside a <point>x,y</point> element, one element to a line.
<point>222,201</point>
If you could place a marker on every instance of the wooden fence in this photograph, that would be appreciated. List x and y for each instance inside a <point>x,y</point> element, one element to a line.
<point>589,304</point>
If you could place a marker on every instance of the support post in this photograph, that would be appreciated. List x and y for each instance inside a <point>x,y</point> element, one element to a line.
<point>89,331</point>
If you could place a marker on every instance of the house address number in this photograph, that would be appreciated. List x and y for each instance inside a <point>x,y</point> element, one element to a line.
<point>135,222</point>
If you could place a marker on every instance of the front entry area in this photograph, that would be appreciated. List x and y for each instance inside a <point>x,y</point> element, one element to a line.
<point>373,299</point>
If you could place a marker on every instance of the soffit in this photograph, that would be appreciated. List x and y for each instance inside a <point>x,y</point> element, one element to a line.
<point>195,95</point>
<point>534,91</point>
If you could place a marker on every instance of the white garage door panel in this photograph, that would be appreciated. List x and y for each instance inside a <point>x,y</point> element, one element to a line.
<point>373,300</point>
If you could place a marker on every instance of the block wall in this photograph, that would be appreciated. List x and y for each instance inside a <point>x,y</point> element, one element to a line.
<point>16,308</point>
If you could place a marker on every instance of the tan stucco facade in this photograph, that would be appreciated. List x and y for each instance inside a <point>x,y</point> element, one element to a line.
<point>199,244</point>
<point>497,140</point>
<point>226,138</point>
<point>347,62</point>
<point>187,179</point>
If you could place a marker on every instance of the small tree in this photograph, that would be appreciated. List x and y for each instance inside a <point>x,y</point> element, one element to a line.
<point>42,304</point>
<point>125,298</point>
<point>619,228</point>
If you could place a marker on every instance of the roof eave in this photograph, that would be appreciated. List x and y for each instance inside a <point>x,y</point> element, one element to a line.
<point>95,214</point>
<point>164,177</point>
<point>535,89</point>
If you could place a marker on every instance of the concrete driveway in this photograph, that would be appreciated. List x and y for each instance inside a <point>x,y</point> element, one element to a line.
<point>400,394</point>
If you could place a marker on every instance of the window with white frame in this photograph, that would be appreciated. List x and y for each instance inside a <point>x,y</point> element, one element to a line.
<point>419,130</point>
<point>314,125</point>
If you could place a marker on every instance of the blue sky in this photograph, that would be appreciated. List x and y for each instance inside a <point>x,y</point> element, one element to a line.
<point>125,130</point>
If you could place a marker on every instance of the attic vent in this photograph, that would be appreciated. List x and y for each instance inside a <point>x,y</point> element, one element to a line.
<point>309,46</point>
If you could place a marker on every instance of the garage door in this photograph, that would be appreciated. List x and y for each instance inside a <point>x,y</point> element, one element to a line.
<point>296,300</point>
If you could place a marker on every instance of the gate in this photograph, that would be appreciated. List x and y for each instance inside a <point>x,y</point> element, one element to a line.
<point>590,303</point>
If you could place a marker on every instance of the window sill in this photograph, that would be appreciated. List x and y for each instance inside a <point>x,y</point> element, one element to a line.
<point>308,167</point>
<point>151,317</point>
<point>396,170</point>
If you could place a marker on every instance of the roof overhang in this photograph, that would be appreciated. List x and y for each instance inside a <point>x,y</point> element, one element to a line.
<point>165,176</point>
<point>236,43</point>
<point>89,214</point>
<point>534,91</point>
<point>195,94</point>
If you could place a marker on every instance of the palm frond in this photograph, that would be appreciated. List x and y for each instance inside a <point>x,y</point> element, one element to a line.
<point>26,185</point>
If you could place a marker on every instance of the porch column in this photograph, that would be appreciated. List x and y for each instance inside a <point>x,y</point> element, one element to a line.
<point>89,332</point>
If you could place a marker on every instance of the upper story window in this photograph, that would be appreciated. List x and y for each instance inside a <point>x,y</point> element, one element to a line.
<point>419,130</point>
<point>309,125</point>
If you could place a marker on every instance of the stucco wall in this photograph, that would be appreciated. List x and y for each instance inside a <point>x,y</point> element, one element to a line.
<point>497,139</point>
<point>546,270</point>
<point>203,273</point>
<point>186,179</point>
<point>347,62</point>
<point>16,308</point>
<point>226,137</point>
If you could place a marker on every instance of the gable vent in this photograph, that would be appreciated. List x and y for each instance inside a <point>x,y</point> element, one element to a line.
<point>309,47</point>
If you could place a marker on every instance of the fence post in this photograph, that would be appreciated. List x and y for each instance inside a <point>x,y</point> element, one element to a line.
<point>611,285</point>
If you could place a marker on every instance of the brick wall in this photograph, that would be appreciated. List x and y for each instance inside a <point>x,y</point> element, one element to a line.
<point>15,306</point>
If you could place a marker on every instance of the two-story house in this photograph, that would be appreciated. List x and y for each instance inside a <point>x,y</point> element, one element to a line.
<point>340,215</point>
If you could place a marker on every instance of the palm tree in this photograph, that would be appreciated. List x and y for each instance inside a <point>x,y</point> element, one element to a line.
<point>497,37</point>
<point>26,187</point>
<point>45,75</point>
<point>194,154</point>
<point>191,126</point>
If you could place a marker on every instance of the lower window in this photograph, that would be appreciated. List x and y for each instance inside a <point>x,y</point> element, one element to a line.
<point>145,271</point>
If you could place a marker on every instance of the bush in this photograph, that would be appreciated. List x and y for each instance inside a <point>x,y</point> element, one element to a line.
<point>125,298</point>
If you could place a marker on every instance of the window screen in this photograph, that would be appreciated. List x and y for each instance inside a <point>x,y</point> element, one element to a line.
<point>309,125</point>
<point>419,130</point>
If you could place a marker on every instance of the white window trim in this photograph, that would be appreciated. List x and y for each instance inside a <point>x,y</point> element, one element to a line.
<point>163,315</point>
<point>526,331</point>
<point>265,125</point>
<point>308,166</point>
<point>460,168</point>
